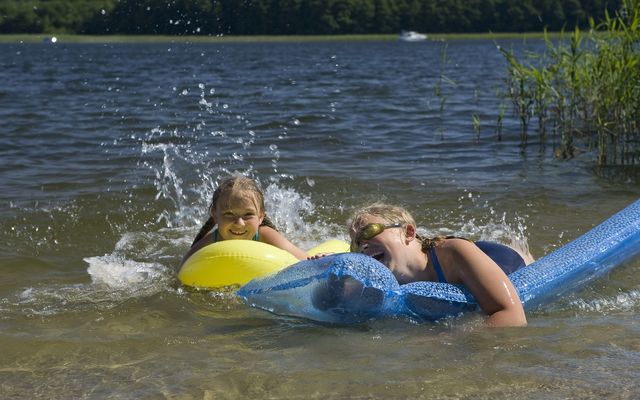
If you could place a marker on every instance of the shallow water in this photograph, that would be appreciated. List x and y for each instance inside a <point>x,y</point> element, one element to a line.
<point>110,154</point>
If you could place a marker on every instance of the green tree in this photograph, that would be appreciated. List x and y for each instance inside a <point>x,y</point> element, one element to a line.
<point>385,16</point>
<point>188,17</point>
<point>573,12</point>
<point>19,17</point>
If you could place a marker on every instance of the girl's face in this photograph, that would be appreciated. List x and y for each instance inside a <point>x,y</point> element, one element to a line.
<point>237,215</point>
<point>389,247</point>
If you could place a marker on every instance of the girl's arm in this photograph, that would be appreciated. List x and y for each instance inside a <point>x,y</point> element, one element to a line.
<point>197,246</point>
<point>275,238</point>
<point>486,281</point>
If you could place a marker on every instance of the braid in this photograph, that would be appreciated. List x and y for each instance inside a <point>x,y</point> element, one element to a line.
<point>429,243</point>
<point>267,222</point>
<point>203,231</point>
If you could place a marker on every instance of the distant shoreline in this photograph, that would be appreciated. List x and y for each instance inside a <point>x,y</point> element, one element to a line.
<point>69,38</point>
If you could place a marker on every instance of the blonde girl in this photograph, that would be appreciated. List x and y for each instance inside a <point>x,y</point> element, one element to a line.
<point>237,212</point>
<point>388,234</point>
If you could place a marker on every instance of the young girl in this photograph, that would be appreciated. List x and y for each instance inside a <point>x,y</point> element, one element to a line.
<point>388,234</point>
<point>237,212</point>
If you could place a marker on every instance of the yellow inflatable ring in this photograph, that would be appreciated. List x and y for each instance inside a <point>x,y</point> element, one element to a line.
<point>236,262</point>
<point>330,246</point>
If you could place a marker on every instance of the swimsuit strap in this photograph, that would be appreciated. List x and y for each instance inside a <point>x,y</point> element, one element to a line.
<point>436,265</point>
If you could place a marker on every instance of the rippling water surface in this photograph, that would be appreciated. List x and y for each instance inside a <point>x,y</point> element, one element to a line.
<point>109,154</point>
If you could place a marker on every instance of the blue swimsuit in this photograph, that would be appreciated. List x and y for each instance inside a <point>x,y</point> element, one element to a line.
<point>506,258</point>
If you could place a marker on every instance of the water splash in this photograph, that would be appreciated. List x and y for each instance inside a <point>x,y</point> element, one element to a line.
<point>130,278</point>
<point>288,209</point>
<point>625,301</point>
<point>477,219</point>
<point>114,281</point>
<point>169,181</point>
<point>187,164</point>
<point>120,276</point>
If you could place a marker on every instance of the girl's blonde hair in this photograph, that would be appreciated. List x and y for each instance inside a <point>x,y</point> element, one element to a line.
<point>390,214</point>
<point>387,213</point>
<point>235,183</point>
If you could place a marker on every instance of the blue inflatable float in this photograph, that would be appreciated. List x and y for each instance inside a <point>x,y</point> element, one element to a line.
<point>351,288</point>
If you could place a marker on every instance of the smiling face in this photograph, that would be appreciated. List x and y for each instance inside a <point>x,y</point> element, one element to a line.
<point>238,215</point>
<point>395,247</point>
<point>389,247</point>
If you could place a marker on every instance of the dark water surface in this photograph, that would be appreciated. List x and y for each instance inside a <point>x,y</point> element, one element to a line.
<point>109,154</point>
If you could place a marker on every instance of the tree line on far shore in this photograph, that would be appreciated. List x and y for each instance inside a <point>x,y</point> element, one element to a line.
<point>300,17</point>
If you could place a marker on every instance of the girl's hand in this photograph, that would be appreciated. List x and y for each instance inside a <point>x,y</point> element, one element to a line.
<point>318,256</point>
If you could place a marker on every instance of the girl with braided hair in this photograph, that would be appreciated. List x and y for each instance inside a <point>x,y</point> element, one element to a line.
<point>237,212</point>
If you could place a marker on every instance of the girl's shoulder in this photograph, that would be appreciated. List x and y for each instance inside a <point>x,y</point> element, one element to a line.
<point>266,232</point>
<point>456,243</point>
<point>459,251</point>
<point>209,238</point>
<point>273,237</point>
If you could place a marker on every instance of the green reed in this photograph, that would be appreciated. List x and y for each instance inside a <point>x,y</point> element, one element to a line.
<point>476,125</point>
<point>439,89</point>
<point>586,88</point>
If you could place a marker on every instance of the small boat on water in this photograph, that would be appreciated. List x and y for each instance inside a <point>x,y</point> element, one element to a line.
<point>412,36</point>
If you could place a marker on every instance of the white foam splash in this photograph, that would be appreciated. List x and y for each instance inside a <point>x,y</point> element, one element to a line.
<point>504,230</point>
<point>113,281</point>
<point>625,301</point>
<point>287,208</point>
<point>129,276</point>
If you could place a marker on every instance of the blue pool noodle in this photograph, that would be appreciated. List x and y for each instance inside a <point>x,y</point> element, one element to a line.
<point>351,288</point>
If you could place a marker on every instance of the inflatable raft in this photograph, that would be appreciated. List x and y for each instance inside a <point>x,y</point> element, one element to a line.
<point>351,288</point>
<point>236,262</point>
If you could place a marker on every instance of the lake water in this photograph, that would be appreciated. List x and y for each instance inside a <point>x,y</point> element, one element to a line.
<point>109,154</point>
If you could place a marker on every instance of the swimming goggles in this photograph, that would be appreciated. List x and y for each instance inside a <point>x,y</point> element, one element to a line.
<point>368,232</point>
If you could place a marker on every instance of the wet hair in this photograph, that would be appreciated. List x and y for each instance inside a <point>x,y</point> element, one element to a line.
<point>235,183</point>
<point>390,214</point>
